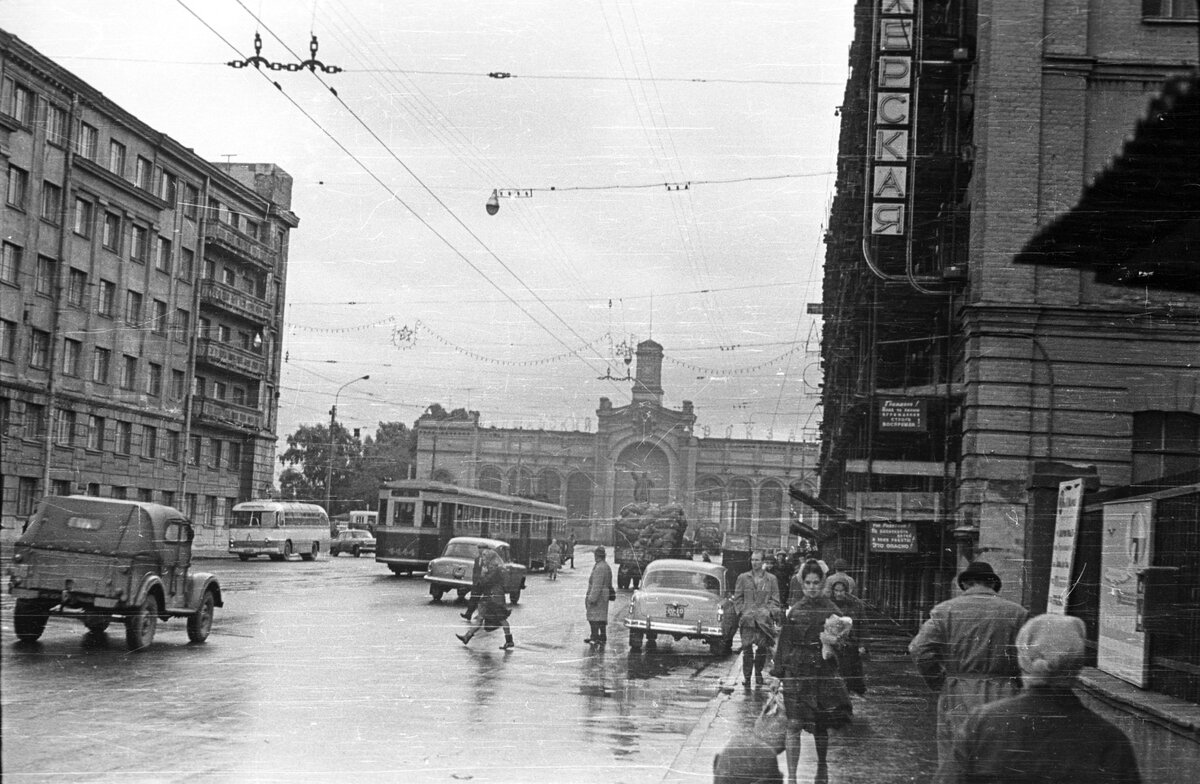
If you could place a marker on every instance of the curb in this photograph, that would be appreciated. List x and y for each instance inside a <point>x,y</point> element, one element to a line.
<point>694,760</point>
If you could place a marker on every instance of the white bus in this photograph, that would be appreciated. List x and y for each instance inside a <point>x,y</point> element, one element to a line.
<point>363,521</point>
<point>278,529</point>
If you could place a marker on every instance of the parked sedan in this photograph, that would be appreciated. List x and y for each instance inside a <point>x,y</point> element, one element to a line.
<point>354,542</point>
<point>683,599</point>
<point>452,570</point>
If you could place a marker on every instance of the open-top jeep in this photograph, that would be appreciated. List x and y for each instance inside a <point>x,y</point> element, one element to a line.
<point>96,558</point>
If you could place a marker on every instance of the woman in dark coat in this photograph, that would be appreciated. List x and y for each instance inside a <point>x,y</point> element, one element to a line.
<point>815,697</point>
<point>492,611</point>
<point>839,588</point>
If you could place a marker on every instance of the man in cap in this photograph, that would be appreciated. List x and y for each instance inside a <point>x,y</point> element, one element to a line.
<point>1045,733</point>
<point>967,650</point>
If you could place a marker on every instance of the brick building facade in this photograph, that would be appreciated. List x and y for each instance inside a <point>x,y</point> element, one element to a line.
<point>143,292</point>
<point>723,484</point>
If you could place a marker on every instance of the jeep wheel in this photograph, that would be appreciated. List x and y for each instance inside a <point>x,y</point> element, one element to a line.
<point>141,624</point>
<point>287,549</point>
<point>515,596</point>
<point>29,619</point>
<point>436,593</point>
<point>200,624</point>
<point>635,639</point>
<point>96,622</point>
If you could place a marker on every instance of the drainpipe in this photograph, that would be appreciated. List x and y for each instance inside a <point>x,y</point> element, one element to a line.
<point>189,380</point>
<point>56,298</point>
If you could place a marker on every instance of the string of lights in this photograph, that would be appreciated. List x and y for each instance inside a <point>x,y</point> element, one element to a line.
<point>742,371</point>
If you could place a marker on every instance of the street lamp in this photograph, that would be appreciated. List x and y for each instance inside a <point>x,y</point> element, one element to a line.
<point>329,462</point>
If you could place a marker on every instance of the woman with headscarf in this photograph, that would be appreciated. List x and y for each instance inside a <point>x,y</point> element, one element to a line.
<point>492,612</point>
<point>815,698</point>
<point>840,588</point>
<point>599,594</point>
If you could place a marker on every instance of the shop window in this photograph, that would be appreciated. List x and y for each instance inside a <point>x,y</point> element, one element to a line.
<point>1165,443</point>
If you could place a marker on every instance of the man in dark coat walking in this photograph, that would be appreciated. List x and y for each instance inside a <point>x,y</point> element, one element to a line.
<point>599,592</point>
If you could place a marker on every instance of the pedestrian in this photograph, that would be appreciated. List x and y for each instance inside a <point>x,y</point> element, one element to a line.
<point>493,614</point>
<point>599,593</point>
<point>705,557</point>
<point>476,576</point>
<point>967,650</point>
<point>850,660</point>
<point>815,698</point>
<point>1045,733</point>
<point>756,599</point>
<point>795,589</point>
<point>553,559</point>
<point>839,568</point>
<point>570,555</point>
<point>783,575</point>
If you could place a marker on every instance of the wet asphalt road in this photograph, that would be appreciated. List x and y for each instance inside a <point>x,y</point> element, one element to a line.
<point>339,671</point>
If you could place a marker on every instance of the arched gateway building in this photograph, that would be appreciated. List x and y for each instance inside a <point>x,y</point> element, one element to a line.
<point>641,451</point>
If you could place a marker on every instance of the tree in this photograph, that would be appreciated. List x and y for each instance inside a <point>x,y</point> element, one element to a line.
<point>387,456</point>
<point>309,450</point>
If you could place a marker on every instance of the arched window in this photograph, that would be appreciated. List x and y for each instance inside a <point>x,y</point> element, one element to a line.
<point>579,496</point>
<point>549,486</point>
<point>709,496</point>
<point>520,481</point>
<point>770,509</point>
<point>442,475</point>
<point>741,498</point>
<point>491,480</point>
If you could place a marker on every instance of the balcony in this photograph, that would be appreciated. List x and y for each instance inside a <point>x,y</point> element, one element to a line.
<point>227,357</point>
<point>894,506</point>
<point>219,412</point>
<point>236,302</point>
<point>240,245</point>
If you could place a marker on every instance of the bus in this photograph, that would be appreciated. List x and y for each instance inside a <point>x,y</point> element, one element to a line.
<point>278,529</point>
<point>362,521</point>
<point>418,517</point>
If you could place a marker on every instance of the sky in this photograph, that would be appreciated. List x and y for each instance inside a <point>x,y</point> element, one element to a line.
<point>667,170</point>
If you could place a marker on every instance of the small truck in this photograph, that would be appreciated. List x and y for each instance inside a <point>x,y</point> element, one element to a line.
<point>94,559</point>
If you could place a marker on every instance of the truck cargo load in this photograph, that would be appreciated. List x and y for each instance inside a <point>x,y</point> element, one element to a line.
<point>644,533</point>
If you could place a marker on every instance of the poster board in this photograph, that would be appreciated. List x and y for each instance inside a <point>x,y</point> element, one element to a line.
<point>1066,532</point>
<point>886,537</point>
<point>1125,553</point>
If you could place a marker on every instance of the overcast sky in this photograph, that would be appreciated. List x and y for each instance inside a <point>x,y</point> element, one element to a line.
<point>517,314</point>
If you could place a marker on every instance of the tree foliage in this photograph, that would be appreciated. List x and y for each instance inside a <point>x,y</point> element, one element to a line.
<point>358,467</point>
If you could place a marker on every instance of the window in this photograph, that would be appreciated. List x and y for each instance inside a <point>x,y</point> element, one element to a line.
<point>35,420</point>
<point>1165,443</point>
<point>194,450</point>
<point>116,158</point>
<point>149,442</point>
<point>119,492</point>
<point>239,395</point>
<point>106,293</point>
<point>198,386</point>
<point>180,329</point>
<point>214,457</point>
<point>223,333</point>
<point>129,372</point>
<point>83,218</point>
<point>76,287</point>
<point>8,340</point>
<point>111,236</point>
<point>101,357</point>
<point>219,388</point>
<point>64,434</point>
<point>43,279</point>
<point>250,228</point>
<point>71,351</point>
<point>154,377</point>
<point>160,317</point>
<point>191,201</point>
<point>171,446</point>
<point>139,244</point>
<point>168,498</point>
<point>124,438</point>
<point>51,201</point>
<point>95,432</point>
<point>187,263</point>
<point>60,487</point>
<point>56,125</point>
<point>210,270</point>
<point>189,501</point>
<point>210,512</point>
<point>18,185</point>
<point>228,276</point>
<point>168,187</point>
<point>145,495</point>
<point>133,307</point>
<point>10,263</point>
<point>88,139</point>
<point>143,173</point>
<point>1169,9</point>
<point>205,327</point>
<point>93,489</point>
<point>235,456</point>
<point>39,348</point>
<point>178,380</point>
<point>162,254</point>
<point>20,102</point>
<point>26,495</point>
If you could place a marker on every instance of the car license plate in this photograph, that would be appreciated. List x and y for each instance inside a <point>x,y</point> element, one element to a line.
<point>674,611</point>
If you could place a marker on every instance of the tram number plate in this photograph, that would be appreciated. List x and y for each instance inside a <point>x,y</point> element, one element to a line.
<point>674,610</point>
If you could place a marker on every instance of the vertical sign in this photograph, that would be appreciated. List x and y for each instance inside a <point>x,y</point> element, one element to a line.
<point>890,180</point>
<point>1062,558</point>
<point>1124,555</point>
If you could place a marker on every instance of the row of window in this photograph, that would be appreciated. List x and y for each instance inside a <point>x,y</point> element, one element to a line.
<point>210,509</point>
<point>146,441</point>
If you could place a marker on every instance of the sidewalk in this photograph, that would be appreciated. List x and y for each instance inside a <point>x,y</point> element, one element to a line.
<point>892,738</point>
